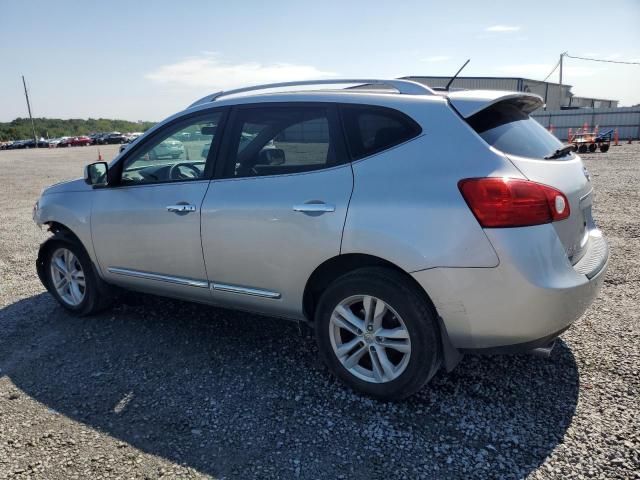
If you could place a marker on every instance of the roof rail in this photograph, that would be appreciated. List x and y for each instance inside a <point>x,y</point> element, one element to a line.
<point>406,87</point>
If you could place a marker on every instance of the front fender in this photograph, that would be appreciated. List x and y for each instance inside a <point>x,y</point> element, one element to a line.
<point>71,210</point>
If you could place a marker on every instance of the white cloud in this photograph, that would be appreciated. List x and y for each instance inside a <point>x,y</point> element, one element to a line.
<point>437,58</point>
<point>502,28</point>
<point>209,71</point>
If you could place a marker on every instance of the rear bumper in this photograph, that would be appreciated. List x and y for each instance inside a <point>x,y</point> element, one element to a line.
<point>528,299</point>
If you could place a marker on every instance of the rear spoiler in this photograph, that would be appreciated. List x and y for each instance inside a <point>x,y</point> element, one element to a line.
<point>470,102</point>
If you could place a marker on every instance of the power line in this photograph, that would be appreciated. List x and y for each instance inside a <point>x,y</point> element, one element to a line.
<point>551,72</point>
<point>601,60</point>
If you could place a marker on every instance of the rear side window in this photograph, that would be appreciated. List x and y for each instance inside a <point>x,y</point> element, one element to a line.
<point>512,131</point>
<point>371,130</point>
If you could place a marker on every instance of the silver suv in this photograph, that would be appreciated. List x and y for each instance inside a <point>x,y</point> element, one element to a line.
<point>407,225</point>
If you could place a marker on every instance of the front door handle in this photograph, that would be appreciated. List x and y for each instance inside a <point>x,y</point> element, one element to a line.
<point>314,208</point>
<point>184,208</point>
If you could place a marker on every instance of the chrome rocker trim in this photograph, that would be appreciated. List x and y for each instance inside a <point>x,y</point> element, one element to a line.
<point>256,292</point>
<point>190,282</point>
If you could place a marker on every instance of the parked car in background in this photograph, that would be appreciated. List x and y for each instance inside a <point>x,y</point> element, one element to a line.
<point>169,148</point>
<point>114,138</point>
<point>42,143</point>
<point>6,145</point>
<point>95,137</point>
<point>65,142</point>
<point>17,145</point>
<point>81,141</point>
<point>130,137</point>
<point>407,228</point>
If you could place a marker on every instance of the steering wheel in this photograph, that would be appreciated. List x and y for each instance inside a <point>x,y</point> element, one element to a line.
<point>176,174</point>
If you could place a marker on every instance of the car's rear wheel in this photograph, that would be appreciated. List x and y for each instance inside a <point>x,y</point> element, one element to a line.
<point>70,277</point>
<point>378,333</point>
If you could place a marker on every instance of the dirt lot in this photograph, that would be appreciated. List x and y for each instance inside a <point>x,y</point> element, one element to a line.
<point>165,388</point>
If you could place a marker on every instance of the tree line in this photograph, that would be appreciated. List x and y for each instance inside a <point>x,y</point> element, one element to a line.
<point>20,128</point>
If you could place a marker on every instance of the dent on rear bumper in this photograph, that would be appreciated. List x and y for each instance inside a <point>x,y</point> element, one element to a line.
<point>532,293</point>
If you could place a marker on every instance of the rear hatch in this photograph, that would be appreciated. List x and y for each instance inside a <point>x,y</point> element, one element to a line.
<point>502,120</point>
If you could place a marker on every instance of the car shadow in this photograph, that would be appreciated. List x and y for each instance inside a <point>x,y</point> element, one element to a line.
<point>231,394</point>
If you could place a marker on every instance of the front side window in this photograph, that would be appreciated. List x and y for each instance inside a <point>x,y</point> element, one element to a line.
<point>374,129</point>
<point>280,140</point>
<point>179,154</point>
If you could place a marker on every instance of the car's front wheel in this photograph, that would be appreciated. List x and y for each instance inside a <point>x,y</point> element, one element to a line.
<point>378,333</point>
<point>68,274</point>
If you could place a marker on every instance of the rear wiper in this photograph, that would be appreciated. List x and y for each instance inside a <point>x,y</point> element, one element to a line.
<point>561,152</point>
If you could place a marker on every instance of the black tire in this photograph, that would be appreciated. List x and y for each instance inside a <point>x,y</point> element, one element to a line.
<point>604,147</point>
<point>97,294</point>
<point>416,311</point>
<point>583,148</point>
<point>593,147</point>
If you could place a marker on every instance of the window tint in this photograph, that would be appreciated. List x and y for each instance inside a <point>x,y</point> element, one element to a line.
<point>179,154</point>
<point>510,130</point>
<point>374,129</point>
<point>280,140</point>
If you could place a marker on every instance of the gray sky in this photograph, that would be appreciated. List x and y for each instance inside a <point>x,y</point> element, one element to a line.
<point>145,60</point>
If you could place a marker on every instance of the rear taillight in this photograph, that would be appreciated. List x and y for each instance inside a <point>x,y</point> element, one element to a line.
<point>511,202</point>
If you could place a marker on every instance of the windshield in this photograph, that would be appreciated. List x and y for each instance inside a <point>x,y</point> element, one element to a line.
<point>510,130</point>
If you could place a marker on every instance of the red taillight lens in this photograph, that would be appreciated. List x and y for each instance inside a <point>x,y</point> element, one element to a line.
<point>511,202</point>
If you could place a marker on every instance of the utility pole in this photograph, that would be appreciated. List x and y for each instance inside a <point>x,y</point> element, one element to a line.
<point>33,127</point>
<point>561,56</point>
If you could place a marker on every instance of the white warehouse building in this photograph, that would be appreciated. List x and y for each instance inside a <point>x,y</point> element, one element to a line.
<point>555,98</point>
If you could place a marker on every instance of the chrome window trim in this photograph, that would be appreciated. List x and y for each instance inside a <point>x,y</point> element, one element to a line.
<point>255,292</point>
<point>190,282</point>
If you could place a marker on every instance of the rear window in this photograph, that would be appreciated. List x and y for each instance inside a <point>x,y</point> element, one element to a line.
<point>371,130</point>
<point>510,130</point>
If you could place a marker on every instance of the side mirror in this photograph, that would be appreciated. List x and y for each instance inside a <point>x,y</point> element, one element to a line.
<point>96,173</point>
<point>272,156</point>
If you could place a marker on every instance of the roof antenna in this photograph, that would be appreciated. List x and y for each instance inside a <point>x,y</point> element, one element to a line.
<point>457,73</point>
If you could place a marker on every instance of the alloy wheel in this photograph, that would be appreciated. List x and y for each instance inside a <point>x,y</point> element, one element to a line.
<point>68,277</point>
<point>369,339</point>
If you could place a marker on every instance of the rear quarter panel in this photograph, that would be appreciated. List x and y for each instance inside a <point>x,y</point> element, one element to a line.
<point>406,206</point>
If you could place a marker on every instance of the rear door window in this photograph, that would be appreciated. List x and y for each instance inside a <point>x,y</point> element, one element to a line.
<point>371,129</point>
<point>512,131</point>
<point>280,140</point>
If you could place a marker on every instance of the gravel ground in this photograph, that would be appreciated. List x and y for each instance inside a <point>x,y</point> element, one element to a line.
<point>168,389</point>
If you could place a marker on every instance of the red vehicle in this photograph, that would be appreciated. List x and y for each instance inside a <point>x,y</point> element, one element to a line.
<point>82,141</point>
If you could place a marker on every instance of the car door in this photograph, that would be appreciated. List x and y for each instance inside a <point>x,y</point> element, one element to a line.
<point>277,207</point>
<point>146,224</point>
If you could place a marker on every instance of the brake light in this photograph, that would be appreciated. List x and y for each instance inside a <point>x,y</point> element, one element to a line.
<point>511,202</point>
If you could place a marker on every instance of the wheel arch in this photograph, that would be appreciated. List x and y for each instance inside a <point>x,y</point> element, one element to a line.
<point>340,265</point>
<point>59,228</point>
<point>60,232</point>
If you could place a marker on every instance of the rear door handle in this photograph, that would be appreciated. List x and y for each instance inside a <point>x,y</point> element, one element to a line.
<point>184,208</point>
<point>314,208</point>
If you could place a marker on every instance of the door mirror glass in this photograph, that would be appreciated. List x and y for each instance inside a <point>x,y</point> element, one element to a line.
<point>272,156</point>
<point>96,173</point>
